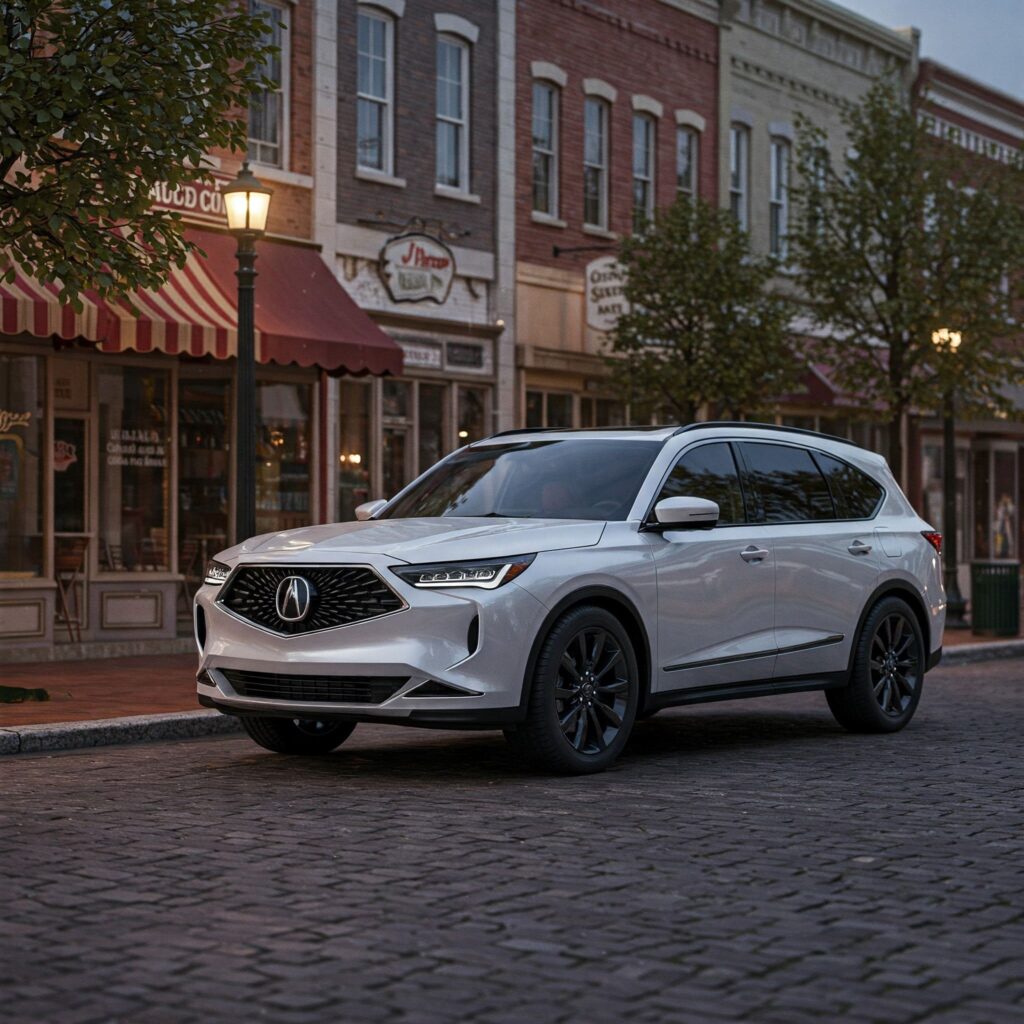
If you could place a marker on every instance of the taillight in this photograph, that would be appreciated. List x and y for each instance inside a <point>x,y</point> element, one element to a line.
<point>933,538</point>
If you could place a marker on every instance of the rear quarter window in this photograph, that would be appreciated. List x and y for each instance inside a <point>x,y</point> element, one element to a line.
<point>856,495</point>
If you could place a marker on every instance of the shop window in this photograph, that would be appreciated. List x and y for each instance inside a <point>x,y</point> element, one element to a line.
<point>994,499</point>
<point>602,412</point>
<point>433,443</point>
<point>134,443</point>
<point>535,408</point>
<point>472,420</point>
<point>353,448</point>
<point>559,411</point>
<point>70,480</point>
<point>204,445</point>
<point>268,109</point>
<point>396,400</point>
<point>22,390</point>
<point>283,456</point>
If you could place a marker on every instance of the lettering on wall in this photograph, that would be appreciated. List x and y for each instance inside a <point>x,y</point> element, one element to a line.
<point>606,300</point>
<point>9,420</point>
<point>136,447</point>
<point>197,201</point>
<point>415,267</point>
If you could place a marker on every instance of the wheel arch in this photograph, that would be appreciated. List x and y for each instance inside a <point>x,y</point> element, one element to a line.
<point>901,589</point>
<point>622,608</point>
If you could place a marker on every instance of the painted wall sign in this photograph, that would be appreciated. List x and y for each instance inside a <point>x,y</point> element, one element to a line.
<point>415,267</point>
<point>197,201</point>
<point>9,420</point>
<point>427,357</point>
<point>606,300</point>
<point>469,357</point>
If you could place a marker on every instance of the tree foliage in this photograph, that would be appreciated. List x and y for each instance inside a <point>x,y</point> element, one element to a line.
<point>704,330</point>
<point>914,234</point>
<point>100,101</point>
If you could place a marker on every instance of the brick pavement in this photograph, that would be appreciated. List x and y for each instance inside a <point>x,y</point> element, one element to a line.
<point>745,862</point>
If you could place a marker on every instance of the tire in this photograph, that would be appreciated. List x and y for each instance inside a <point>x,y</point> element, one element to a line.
<point>888,671</point>
<point>297,736</point>
<point>584,695</point>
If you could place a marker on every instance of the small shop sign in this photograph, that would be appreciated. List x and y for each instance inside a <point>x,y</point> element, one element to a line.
<point>606,299</point>
<point>415,267</point>
<point>197,201</point>
<point>9,420</point>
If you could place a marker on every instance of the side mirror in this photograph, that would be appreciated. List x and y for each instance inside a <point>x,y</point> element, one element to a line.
<point>369,509</point>
<point>686,513</point>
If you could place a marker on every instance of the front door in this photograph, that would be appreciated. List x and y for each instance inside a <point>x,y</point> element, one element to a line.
<point>716,588</point>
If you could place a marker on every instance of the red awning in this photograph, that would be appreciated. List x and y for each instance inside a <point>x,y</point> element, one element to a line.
<point>303,315</point>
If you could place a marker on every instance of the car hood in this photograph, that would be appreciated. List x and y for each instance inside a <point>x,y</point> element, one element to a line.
<point>419,540</point>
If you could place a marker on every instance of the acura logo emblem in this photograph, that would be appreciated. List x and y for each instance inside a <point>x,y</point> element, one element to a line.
<point>294,598</point>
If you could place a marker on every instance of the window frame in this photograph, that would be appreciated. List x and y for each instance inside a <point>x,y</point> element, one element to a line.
<point>462,124</point>
<point>644,124</point>
<point>284,92</point>
<point>739,173</point>
<point>691,191</point>
<point>750,507</point>
<point>552,153</point>
<point>778,197</point>
<point>604,107</point>
<point>387,103</point>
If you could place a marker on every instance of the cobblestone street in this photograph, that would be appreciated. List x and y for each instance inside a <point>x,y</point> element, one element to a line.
<point>743,862</point>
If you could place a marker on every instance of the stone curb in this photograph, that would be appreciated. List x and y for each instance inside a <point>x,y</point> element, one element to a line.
<point>993,651</point>
<point>31,739</point>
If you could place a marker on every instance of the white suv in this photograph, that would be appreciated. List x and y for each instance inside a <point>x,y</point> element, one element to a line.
<point>561,584</point>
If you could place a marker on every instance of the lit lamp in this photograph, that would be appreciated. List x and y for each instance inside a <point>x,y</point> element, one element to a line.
<point>947,342</point>
<point>246,205</point>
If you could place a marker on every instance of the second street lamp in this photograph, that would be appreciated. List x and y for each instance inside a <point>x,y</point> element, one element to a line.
<point>246,204</point>
<point>946,343</point>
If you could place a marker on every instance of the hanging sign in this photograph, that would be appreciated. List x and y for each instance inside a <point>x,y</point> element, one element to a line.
<point>415,266</point>
<point>606,299</point>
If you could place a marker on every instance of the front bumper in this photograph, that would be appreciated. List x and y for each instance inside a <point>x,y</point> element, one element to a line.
<point>427,641</point>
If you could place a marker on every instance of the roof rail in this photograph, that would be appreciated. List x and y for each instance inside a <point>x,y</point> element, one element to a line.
<point>574,430</point>
<point>766,426</point>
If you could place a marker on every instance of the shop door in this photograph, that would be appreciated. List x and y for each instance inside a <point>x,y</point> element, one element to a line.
<point>395,452</point>
<point>71,536</point>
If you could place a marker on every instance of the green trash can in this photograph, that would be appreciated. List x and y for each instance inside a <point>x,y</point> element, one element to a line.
<point>995,598</point>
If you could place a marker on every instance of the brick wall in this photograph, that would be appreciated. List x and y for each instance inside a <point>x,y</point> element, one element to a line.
<point>641,47</point>
<point>414,108</point>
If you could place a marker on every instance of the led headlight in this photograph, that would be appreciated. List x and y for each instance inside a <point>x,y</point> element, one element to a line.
<point>216,573</point>
<point>485,575</point>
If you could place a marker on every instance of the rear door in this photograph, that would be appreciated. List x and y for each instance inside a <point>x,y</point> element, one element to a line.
<point>715,587</point>
<point>826,563</point>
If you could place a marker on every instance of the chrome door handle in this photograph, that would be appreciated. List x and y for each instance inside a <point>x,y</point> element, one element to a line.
<point>753,554</point>
<point>858,547</point>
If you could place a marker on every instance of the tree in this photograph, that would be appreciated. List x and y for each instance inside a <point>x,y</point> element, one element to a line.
<point>99,102</point>
<point>703,330</point>
<point>913,236</point>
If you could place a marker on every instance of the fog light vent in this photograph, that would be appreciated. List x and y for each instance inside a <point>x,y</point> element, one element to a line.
<point>200,627</point>
<point>432,688</point>
<point>473,635</point>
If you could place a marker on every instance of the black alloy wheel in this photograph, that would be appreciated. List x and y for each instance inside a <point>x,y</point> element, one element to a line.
<point>887,676</point>
<point>584,695</point>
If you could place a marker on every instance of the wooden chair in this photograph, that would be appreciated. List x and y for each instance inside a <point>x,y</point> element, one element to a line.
<point>69,570</point>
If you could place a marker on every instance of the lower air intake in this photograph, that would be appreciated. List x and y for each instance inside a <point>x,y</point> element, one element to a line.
<point>314,689</point>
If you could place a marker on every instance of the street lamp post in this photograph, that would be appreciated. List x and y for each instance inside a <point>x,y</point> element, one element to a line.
<point>947,342</point>
<point>246,204</point>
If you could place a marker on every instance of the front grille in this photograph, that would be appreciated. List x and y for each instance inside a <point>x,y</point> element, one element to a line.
<point>314,689</point>
<point>339,595</point>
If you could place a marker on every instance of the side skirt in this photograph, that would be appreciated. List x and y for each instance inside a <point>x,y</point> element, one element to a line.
<point>737,691</point>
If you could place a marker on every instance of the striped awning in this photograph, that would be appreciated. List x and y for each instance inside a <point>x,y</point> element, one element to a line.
<point>303,315</point>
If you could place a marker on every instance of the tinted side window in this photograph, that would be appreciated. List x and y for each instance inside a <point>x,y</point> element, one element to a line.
<point>856,494</point>
<point>791,487</point>
<point>708,472</point>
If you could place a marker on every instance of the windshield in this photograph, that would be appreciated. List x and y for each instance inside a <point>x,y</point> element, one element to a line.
<point>562,479</point>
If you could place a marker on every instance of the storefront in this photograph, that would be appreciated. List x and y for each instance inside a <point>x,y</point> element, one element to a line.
<point>116,469</point>
<point>435,302</point>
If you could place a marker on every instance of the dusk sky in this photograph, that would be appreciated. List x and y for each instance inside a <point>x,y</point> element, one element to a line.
<point>983,39</point>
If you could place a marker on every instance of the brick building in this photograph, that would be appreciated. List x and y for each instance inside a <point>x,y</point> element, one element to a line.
<point>616,113</point>
<point>410,206</point>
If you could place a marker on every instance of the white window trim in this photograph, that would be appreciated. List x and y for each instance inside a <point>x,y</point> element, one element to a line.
<point>691,119</point>
<point>388,170</point>
<point>556,117</point>
<point>599,87</point>
<point>648,105</point>
<point>604,165</point>
<point>743,191</point>
<point>462,189</point>
<point>453,25</point>
<point>549,72</point>
<point>652,161</point>
<point>779,199</point>
<point>693,131</point>
<point>396,8</point>
<point>286,91</point>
